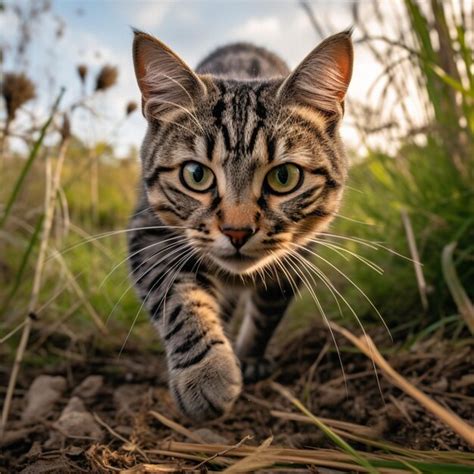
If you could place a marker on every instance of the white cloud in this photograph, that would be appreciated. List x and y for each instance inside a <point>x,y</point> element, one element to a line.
<point>258,28</point>
<point>147,15</point>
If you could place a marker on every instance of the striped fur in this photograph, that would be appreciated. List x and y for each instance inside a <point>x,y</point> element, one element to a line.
<point>240,114</point>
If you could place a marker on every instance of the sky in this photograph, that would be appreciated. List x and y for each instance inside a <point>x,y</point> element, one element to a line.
<point>98,32</point>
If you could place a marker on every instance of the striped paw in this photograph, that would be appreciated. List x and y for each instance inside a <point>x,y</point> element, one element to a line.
<point>208,389</point>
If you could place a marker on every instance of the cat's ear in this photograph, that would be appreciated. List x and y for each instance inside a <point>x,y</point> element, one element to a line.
<point>322,78</point>
<point>165,81</point>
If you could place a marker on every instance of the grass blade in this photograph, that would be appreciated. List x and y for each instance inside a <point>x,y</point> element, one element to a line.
<point>335,438</point>
<point>464,304</point>
<point>29,162</point>
<point>24,261</point>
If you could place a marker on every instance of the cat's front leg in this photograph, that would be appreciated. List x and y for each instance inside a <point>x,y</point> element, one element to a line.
<point>265,309</point>
<point>204,373</point>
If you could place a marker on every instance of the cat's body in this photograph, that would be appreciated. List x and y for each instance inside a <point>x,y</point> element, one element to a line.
<point>240,170</point>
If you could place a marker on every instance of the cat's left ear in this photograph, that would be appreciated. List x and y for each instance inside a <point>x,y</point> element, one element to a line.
<point>166,82</point>
<point>322,78</point>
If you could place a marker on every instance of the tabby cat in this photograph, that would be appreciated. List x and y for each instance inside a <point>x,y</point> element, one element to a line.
<point>242,165</point>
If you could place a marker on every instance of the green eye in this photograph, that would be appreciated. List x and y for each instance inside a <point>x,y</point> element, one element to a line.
<point>284,178</point>
<point>197,177</point>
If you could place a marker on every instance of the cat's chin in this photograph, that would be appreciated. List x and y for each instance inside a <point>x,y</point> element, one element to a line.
<point>241,264</point>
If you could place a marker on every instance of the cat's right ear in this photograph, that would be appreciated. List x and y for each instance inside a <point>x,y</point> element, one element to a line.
<point>165,81</point>
<point>322,78</point>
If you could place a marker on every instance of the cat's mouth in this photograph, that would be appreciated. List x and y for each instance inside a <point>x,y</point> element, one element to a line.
<point>237,262</point>
<point>239,257</point>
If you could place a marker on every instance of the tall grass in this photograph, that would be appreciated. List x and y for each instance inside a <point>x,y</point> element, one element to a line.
<point>428,175</point>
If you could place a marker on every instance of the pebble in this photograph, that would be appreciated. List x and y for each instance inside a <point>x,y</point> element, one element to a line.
<point>89,387</point>
<point>75,420</point>
<point>43,393</point>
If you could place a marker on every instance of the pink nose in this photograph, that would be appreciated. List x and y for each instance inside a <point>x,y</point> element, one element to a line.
<point>237,236</point>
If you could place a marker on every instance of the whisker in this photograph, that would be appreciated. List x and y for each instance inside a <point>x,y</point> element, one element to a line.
<point>186,259</point>
<point>180,126</point>
<point>352,283</point>
<point>338,249</point>
<point>136,253</point>
<point>115,232</point>
<point>145,300</point>
<point>294,286</point>
<point>321,277</point>
<point>367,243</point>
<point>329,284</point>
<point>370,224</point>
<point>184,109</point>
<point>172,246</point>
<point>371,244</point>
<point>323,314</point>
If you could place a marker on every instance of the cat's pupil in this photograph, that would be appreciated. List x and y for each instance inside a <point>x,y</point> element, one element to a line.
<point>198,173</point>
<point>283,175</point>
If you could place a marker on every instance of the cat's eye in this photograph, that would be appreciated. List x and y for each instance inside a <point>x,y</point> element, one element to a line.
<point>284,179</point>
<point>197,177</point>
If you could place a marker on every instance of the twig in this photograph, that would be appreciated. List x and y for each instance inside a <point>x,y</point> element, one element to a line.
<point>12,332</point>
<point>176,427</point>
<point>52,185</point>
<point>223,452</point>
<point>256,460</point>
<point>367,346</point>
<point>335,424</point>
<point>315,457</point>
<point>420,278</point>
<point>78,290</point>
<point>133,446</point>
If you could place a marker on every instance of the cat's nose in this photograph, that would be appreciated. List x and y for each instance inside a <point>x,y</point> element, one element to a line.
<point>238,235</point>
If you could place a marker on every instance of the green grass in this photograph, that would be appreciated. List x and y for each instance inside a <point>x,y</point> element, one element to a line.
<point>440,205</point>
<point>431,182</point>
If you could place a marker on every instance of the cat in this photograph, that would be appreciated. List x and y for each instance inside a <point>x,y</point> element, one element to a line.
<point>242,165</point>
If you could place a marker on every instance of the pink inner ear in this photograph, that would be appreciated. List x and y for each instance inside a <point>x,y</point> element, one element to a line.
<point>344,61</point>
<point>343,57</point>
<point>141,60</point>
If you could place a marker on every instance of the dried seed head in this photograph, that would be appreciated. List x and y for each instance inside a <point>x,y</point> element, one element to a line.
<point>106,78</point>
<point>131,107</point>
<point>82,71</point>
<point>65,129</point>
<point>17,89</point>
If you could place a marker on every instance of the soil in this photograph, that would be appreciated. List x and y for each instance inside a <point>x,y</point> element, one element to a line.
<point>91,413</point>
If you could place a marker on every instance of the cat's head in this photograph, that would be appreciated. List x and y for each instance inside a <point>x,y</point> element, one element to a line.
<point>248,170</point>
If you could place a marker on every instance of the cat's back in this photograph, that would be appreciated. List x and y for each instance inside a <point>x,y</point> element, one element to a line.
<point>243,61</point>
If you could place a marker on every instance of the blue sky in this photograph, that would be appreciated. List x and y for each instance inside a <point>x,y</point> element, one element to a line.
<point>98,32</point>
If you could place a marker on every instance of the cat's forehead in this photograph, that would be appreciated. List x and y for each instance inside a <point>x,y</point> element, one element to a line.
<point>238,96</point>
<point>239,135</point>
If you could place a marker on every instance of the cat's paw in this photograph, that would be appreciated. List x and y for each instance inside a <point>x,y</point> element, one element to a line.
<point>256,369</point>
<point>208,390</point>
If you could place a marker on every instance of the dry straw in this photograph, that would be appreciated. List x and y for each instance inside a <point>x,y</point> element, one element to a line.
<point>367,346</point>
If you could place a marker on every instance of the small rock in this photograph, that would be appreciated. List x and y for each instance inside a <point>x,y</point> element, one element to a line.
<point>74,404</point>
<point>43,393</point>
<point>211,437</point>
<point>89,387</point>
<point>75,420</point>
<point>330,397</point>
<point>128,398</point>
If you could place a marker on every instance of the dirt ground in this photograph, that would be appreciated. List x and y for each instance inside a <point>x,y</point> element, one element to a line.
<point>92,413</point>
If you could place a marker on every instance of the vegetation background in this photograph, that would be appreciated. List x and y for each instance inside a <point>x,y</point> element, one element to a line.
<point>402,248</point>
